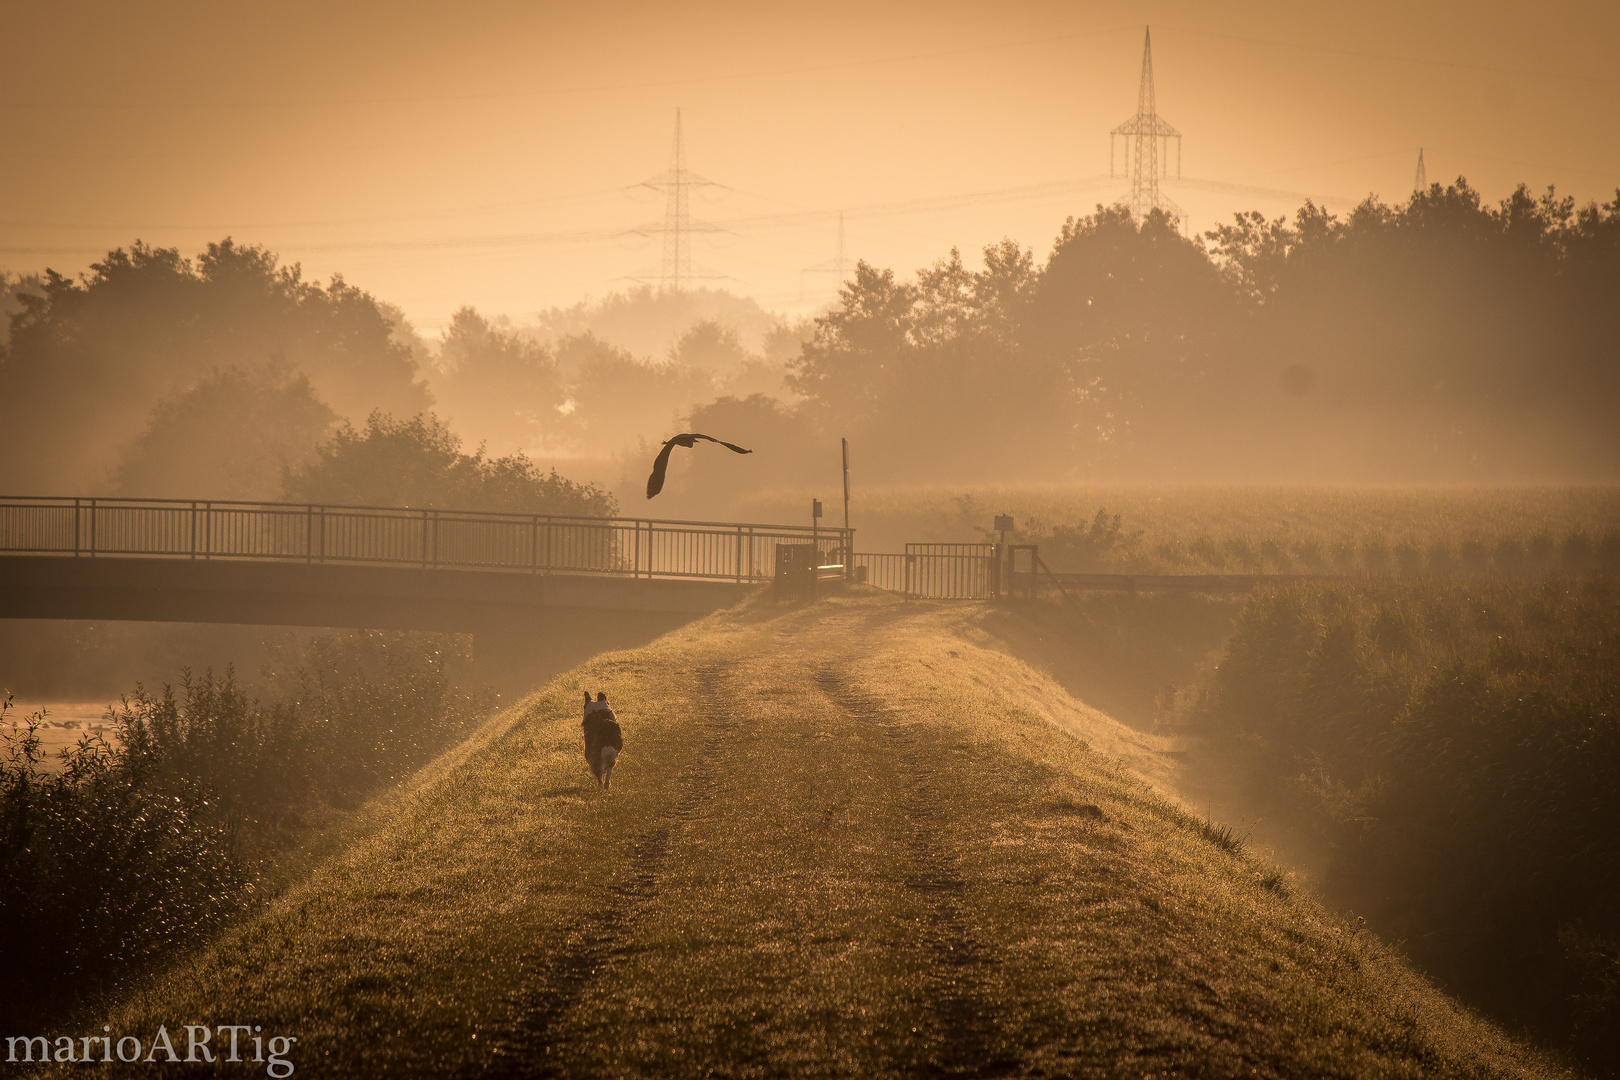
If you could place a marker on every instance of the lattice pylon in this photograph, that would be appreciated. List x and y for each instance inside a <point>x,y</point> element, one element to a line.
<point>1147,146</point>
<point>676,182</point>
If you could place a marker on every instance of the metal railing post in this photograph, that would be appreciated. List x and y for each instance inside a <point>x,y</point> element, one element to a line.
<point>193,542</point>
<point>92,528</point>
<point>76,529</point>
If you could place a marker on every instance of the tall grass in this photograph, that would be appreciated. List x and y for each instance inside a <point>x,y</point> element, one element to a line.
<point>136,847</point>
<point>1456,747</point>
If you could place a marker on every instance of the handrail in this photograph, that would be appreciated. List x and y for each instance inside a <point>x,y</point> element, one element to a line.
<point>110,500</point>
<point>425,537</point>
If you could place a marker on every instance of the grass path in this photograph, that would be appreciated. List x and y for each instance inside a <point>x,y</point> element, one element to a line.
<point>852,840</point>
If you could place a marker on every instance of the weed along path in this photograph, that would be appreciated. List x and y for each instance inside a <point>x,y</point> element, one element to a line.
<point>846,840</point>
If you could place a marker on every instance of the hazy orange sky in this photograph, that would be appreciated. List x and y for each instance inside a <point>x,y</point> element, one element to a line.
<point>486,153</point>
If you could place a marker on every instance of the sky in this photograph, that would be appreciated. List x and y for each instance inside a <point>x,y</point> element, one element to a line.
<point>492,154</point>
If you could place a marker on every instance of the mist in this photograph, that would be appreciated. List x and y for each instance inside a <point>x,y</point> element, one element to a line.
<point>1282,348</point>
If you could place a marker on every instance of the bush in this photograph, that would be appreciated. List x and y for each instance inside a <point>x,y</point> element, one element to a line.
<point>1455,748</point>
<point>419,463</point>
<point>132,849</point>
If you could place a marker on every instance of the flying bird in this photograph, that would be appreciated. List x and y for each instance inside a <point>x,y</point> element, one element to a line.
<point>655,482</point>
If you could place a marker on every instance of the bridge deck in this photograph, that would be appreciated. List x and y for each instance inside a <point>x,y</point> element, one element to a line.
<point>316,565</point>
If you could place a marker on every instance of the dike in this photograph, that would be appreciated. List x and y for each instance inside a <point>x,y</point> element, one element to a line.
<point>851,839</point>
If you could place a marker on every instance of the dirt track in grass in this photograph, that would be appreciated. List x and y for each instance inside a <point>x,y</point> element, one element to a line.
<point>847,840</point>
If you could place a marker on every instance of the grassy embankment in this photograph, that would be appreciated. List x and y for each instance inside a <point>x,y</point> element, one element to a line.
<point>855,839</point>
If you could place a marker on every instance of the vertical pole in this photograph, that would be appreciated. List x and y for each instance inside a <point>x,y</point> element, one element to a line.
<point>208,529</point>
<point>193,543</point>
<point>534,544</point>
<point>76,529</point>
<point>309,534</point>
<point>92,528</point>
<point>739,554</point>
<point>424,538</point>
<point>849,544</point>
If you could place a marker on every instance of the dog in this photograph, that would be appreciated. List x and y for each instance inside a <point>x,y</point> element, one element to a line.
<point>603,739</point>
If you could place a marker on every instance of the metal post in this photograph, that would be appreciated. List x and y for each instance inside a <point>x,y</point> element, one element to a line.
<point>92,528</point>
<point>424,539</point>
<point>76,528</point>
<point>849,545</point>
<point>309,534</point>
<point>193,530</point>
<point>739,554</point>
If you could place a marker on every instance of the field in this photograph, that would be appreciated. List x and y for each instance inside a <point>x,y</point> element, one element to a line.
<point>1241,529</point>
<point>850,840</point>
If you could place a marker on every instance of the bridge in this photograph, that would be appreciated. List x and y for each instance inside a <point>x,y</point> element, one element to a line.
<point>369,566</point>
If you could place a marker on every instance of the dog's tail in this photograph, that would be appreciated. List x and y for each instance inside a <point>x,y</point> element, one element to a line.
<point>609,756</point>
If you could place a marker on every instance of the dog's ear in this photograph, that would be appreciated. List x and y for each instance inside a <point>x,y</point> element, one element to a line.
<point>587,697</point>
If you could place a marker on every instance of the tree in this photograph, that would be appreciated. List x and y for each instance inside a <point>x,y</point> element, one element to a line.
<point>498,383</point>
<point>419,463</point>
<point>229,437</point>
<point>91,358</point>
<point>613,397</point>
<point>847,370</point>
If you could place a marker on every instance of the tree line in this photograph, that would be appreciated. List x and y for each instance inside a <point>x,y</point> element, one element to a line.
<point>1440,339</point>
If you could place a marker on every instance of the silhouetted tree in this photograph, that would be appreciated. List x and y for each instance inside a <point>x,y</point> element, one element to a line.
<point>419,463</point>
<point>91,358</point>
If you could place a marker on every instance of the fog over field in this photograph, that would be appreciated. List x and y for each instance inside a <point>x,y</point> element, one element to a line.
<point>1248,374</point>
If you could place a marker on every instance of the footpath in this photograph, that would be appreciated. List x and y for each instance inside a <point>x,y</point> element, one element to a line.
<point>853,839</point>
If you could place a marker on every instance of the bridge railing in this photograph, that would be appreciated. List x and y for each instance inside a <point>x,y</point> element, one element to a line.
<point>289,532</point>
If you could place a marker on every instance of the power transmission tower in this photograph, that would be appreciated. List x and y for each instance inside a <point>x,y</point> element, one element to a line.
<point>837,266</point>
<point>1144,135</point>
<point>676,182</point>
<point>1421,184</point>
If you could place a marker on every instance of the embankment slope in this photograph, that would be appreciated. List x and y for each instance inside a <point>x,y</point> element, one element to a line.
<point>847,840</point>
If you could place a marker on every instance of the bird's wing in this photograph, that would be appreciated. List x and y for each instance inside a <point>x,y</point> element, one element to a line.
<point>655,482</point>
<point>729,446</point>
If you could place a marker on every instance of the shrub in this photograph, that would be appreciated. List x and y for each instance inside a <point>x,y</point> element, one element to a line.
<point>131,849</point>
<point>1455,747</point>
